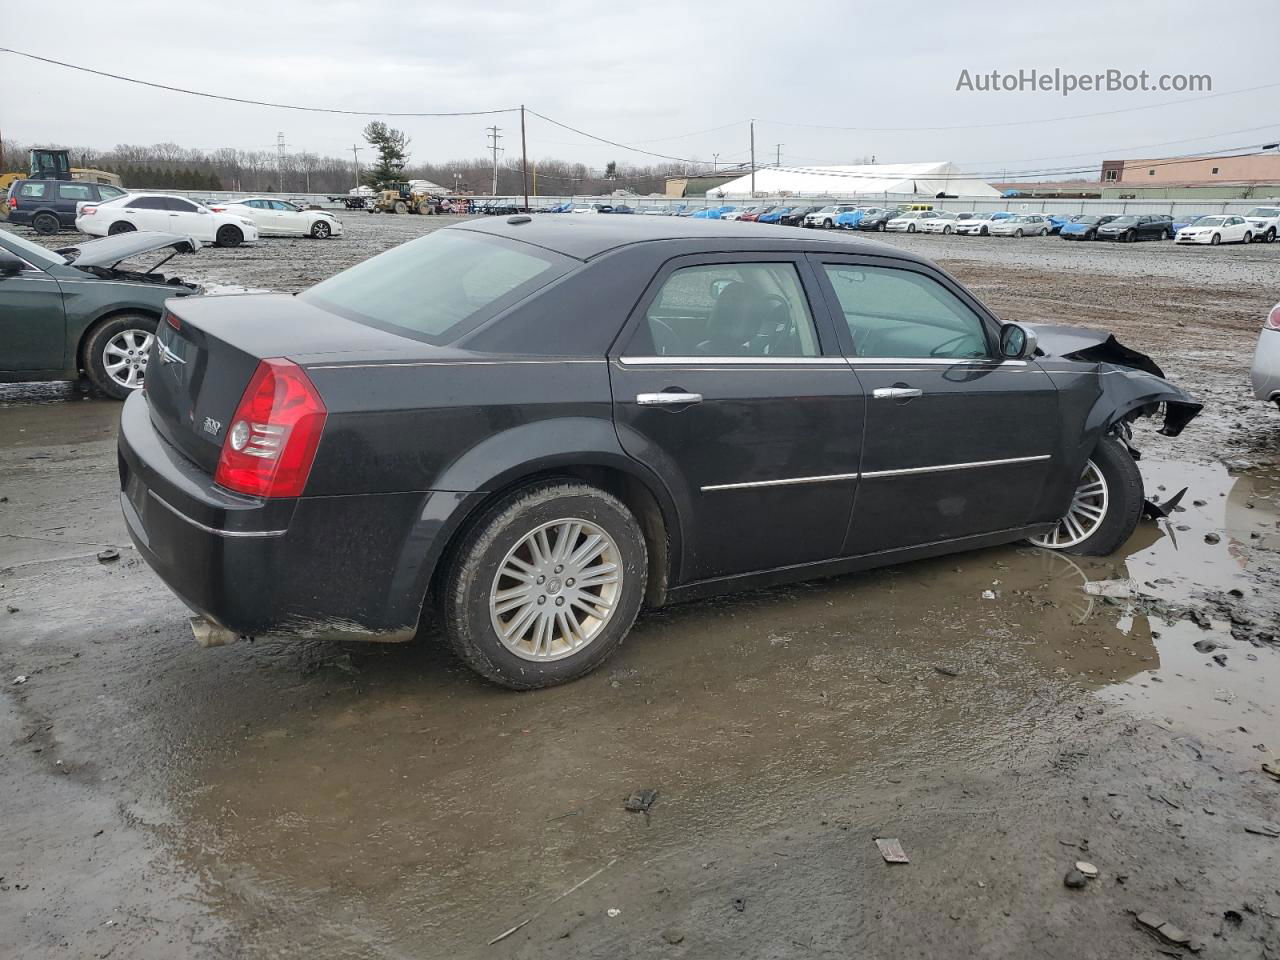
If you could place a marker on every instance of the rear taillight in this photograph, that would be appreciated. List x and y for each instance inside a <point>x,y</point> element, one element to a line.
<point>13,203</point>
<point>87,211</point>
<point>173,320</point>
<point>272,440</point>
<point>1273,318</point>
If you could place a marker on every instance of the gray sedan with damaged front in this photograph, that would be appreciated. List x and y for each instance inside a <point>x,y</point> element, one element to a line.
<point>527,429</point>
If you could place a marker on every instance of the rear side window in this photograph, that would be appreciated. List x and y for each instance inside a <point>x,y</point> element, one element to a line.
<point>440,286</point>
<point>900,313</point>
<point>728,310</point>
<point>75,191</point>
<point>34,189</point>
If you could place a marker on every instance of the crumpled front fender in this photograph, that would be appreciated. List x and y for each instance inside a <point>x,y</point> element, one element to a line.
<point>1128,393</point>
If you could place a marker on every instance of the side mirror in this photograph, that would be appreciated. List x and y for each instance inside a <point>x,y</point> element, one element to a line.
<point>1017,342</point>
<point>10,266</point>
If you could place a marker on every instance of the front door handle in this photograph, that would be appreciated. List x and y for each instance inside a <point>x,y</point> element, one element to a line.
<point>896,393</point>
<point>667,399</point>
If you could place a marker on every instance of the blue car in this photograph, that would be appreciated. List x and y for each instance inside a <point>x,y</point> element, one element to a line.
<point>1084,226</point>
<point>850,219</point>
<point>1186,220</point>
<point>774,215</point>
<point>711,213</point>
<point>1056,222</point>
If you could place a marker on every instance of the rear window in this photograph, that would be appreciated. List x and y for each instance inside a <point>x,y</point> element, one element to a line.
<point>439,286</point>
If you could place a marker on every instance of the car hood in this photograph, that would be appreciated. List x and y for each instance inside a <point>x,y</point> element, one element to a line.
<point>110,251</point>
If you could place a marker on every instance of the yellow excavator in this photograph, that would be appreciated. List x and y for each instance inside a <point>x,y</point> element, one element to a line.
<point>403,198</point>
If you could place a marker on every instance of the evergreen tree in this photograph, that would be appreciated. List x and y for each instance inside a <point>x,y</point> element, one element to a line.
<point>393,151</point>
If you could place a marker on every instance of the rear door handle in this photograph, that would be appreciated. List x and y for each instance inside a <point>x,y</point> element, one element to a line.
<point>667,399</point>
<point>896,393</point>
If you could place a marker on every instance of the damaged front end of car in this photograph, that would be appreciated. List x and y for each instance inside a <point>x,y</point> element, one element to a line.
<point>1130,383</point>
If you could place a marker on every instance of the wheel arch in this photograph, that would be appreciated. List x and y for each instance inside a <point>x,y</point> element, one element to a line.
<point>93,321</point>
<point>447,514</point>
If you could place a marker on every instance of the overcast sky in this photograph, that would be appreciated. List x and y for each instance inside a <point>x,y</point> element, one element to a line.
<point>651,75</point>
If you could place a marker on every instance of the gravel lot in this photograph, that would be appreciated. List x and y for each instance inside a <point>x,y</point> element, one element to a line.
<point>322,800</point>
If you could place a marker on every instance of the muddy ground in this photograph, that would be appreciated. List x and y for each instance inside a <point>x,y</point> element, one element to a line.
<point>323,800</point>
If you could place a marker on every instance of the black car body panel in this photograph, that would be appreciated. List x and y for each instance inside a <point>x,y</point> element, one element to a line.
<point>419,437</point>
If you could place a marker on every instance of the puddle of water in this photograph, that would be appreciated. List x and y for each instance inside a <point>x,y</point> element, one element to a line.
<point>426,796</point>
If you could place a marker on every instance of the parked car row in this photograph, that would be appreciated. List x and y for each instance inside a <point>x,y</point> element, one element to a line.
<point>101,210</point>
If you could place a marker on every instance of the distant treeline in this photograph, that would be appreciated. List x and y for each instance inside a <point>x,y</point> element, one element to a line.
<point>168,165</point>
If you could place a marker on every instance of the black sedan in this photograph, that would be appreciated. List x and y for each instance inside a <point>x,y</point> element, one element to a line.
<point>531,427</point>
<point>876,219</point>
<point>795,216</point>
<point>1139,227</point>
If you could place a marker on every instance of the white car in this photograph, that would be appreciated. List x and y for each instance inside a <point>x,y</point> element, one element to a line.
<point>1265,222</point>
<point>1223,228</point>
<point>279,218</point>
<point>1266,359</point>
<point>942,221</point>
<point>168,214</point>
<point>1023,225</point>
<point>826,217</point>
<point>979,224</point>
<point>910,221</point>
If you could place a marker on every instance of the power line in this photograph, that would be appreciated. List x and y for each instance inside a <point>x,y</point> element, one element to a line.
<point>255,103</point>
<point>1020,123</point>
<point>612,143</point>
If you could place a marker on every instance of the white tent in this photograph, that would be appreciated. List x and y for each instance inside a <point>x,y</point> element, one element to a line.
<point>923,179</point>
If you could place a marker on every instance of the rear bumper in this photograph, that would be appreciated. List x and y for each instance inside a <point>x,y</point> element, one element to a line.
<point>341,566</point>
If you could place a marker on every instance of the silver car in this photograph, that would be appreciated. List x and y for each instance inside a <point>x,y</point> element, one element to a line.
<point>1266,359</point>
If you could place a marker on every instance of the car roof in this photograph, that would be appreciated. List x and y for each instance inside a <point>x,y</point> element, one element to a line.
<point>590,237</point>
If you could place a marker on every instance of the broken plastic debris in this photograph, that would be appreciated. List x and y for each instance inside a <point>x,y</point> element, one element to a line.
<point>613,911</point>
<point>1087,868</point>
<point>20,679</point>
<point>891,850</point>
<point>1272,768</point>
<point>107,555</point>
<point>988,594</point>
<point>1114,589</point>
<point>640,801</point>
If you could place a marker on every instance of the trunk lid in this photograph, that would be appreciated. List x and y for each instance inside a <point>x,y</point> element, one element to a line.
<point>200,367</point>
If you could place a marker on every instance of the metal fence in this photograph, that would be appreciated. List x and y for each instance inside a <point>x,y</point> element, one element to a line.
<point>1177,208</point>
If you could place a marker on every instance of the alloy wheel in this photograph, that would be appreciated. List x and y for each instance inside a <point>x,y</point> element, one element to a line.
<point>1087,512</point>
<point>125,357</point>
<point>556,589</point>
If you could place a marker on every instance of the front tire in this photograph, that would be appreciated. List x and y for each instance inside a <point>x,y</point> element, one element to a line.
<point>545,585</point>
<point>1105,506</point>
<point>1018,233</point>
<point>401,207</point>
<point>1215,240</point>
<point>1130,237</point>
<point>229,236</point>
<point>946,230</point>
<point>116,353</point>
<point>321,230</point>
<point>1248,236</point>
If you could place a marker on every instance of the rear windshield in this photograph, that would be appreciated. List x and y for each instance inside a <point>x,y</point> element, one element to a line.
<point>439,286</point>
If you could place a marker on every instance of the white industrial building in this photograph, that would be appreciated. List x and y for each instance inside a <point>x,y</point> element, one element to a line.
<point>907,179</point>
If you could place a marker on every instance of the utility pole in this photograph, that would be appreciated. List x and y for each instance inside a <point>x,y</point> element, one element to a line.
<point>524,159</point>
<point>280,145</point>
<point>355,158</point>
<point>715,162</point>
<point>753,158</point>
<point>493,145</point>
<point>778,162</point>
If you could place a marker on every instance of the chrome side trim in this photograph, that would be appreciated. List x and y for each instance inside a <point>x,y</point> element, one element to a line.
<point>447,363</point>
<point>828,478</point>
<point>939,468</point>
<point>214,530</point>
<point>933,362</point>
<point>716,361</point>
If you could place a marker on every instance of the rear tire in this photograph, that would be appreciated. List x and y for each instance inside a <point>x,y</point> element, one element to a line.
<point>121,226</point>
<point>45,224</point>
<point>1110,483</point>
<point>107,360</point>
<point>229,236</point>
<point>480,596</point>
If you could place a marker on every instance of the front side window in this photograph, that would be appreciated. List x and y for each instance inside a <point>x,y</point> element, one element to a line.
<point>900,313</point>
<point>147,203</point>
<point>728,310</point>
<point>75,191</point>
<point>439,286</point>
<point>178,205</point>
